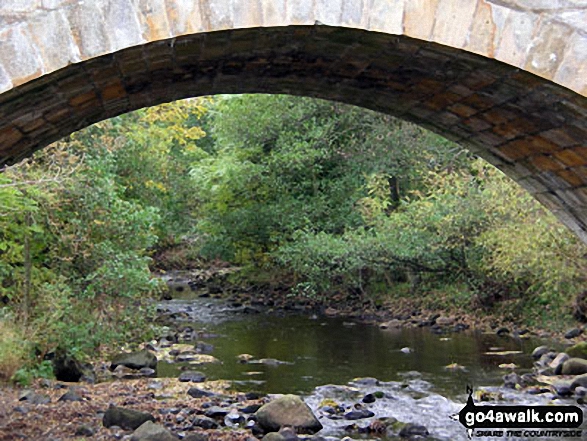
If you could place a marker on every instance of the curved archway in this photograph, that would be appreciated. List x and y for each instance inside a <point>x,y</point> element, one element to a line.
<point>529,126</point>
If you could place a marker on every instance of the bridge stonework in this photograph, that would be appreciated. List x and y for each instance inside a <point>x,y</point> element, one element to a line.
<point>505,78</point>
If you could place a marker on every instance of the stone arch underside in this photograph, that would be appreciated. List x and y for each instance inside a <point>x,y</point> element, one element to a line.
<point>526,124</point>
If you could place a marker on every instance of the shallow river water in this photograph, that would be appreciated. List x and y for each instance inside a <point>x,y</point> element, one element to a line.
<point>323,357</point>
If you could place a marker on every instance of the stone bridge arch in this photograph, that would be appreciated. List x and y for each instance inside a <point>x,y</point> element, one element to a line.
<point>505,78</point>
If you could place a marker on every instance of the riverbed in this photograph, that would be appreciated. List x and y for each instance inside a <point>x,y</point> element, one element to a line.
<point>420,377</point>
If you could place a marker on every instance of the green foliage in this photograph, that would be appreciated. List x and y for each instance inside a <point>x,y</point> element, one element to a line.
<point>25,375</point>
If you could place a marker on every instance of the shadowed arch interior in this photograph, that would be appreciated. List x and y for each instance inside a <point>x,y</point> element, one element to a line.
<point>531,128</point>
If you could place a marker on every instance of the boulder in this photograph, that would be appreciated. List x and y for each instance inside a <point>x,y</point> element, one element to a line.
<point>579,381</point>
<point>194,392</point>
<point>70,395</point>
<point>34,398</point>
<point>574,366</point>
<point>557,363</point>
<point>149,431</point>
<point>540,351</point>
<point>572,333</point>
<point>204,422</point>
<point>127,419</point>
<point>289,410</point>
<point>135,360</point>
<point>578,351</point>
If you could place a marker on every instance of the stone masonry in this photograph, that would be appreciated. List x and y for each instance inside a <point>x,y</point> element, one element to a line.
<point>505,78</point>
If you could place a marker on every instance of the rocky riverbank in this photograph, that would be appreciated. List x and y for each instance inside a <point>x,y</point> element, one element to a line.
<point>128,402</point>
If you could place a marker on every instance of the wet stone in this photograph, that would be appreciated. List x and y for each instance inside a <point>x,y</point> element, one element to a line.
<point>369,398</point>
<point>358,414</point>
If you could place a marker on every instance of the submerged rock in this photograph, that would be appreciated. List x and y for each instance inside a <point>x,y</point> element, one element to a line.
<point>127,419</point>
<point>135,360</point>
<point>289,410</point>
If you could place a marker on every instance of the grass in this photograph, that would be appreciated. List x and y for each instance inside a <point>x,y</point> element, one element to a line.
<point>14,351</point>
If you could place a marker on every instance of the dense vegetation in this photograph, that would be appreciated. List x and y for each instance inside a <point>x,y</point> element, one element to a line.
<point>328,198</point>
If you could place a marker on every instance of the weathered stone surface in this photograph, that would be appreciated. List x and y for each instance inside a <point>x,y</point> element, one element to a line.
<point>135,360</point>
<point>149,431</point>
<point>289,410</point>
<point>127,419</point>
<point>578,351</point>
<point>574,366</point>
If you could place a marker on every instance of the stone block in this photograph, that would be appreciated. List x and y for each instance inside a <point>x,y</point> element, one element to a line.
<point>87,25</point>
<point>274,12</point>
<point>185,17</point>
<point>453,21</point>
<point>547,48</point>
<point>329,12</point>
<point>54,41</point>
<point>572,70</point>
<point>300,12</point>
<point>9,135</point>
<point>387,16</point>
<point>481,36</point>
<point>419,18</point>
<point>516,37</point>
<point>122,23</point>
<point>545,163</point>
<point>570,157</point>
<point>19,55</point>
<point>152,17</point>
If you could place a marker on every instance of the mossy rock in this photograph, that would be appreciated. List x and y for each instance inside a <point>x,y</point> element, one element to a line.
<point>578,351</point>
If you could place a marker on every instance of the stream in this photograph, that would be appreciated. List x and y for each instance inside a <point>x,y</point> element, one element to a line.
<point>341,361</point>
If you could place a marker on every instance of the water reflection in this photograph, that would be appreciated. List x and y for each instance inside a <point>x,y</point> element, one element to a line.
<point>330,351</point>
